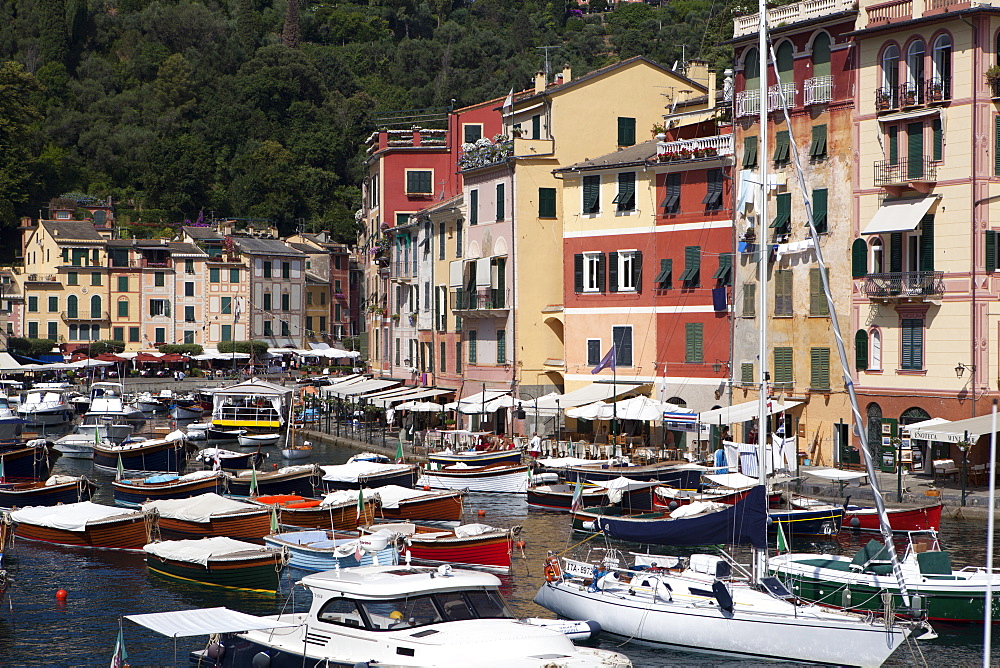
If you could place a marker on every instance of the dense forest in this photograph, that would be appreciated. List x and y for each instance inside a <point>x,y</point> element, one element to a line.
<point>259,108</point>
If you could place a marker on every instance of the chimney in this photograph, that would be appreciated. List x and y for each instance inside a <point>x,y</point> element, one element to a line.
<point>567,73</point>
<point>697,70</point>
<point>711,89</point>
<point>539,82</point>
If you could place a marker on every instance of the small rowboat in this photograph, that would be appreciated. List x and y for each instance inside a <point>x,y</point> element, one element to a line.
<point>319,550</point>
<point>211,515</point>
<point>56,490</point>
<point>301,479</point>
<point>337,511</point>
<point>469,545</point>
<point>250,440</point>
<point>359,474</point>
<point>401,503</point>
<point>218,561</point>
<point>297,451</point>
<point>900,519</point>
<point>475,457</point>
<point>85,524</point>
<point>225,435</point>
<point>191,411</point>
<point>132,493</point>
<point>230,460</point>
<point>507,478</point>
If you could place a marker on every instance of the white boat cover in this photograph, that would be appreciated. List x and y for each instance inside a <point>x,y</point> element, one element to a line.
<point>697,508</point>
<point>204,621</point>
<point>562,462</point>
<point>391,495</point>
<point>837,475</point>
<point>169,438</point>
<point>61,479</point>
<point>732,480</point>
<point>69,516</point>
<point>343,496</point>
<point>351,472</point>
<point>201,550</point>
<point>470,530</point>
<point>623,483</point>
<point>200,475</point>
<point>199,508</point>
<point>284,469</point>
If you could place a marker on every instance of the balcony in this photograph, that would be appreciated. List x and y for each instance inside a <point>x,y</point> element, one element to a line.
<point>904,285</point>
<point>817,90</point>
<point>889,12</point>
<point>748,103</point>
<point>157,263</point>
<point>41,278</point>
<point>781,96</point>
<point>789,14</point>
<point>85,316</point>
<point>703,148</point>
<point>403,271</point>
<point>482,302</point>
<point>485,153</point>
<point>904,171</point>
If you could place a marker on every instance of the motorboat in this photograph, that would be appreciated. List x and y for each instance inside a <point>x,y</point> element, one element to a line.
<point>10,422</point>
<point>76,445</point>
<point>186,410</point>
<point>224,435</point>
<point>153,455</point>
<point>251,440</point>
<point>197,431</point>
<point>219,458</point>
<point>405,615</point>
<point>45,408</point>
<point>508,478</point>
<point>114,428</point>
<point>147,402</point>
<point>107,401</point>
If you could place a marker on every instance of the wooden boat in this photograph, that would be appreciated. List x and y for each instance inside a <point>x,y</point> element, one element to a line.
<point>360,474</point>
<point>859,582</point>
<point>186,410</point>
<point>321,550</point>
<point>337,511</point>
<point>211,515</point>
<point>85,524</point>
<point>860,518</point>
<point>402,503</point>
<point>474,457</point>
<point>297,451</point>
<point>670,497</point>
<point>230,460</point>
<point>32,461</point>
<point>251,440</point>
<point>154,454</point>
<point>654,528</point>
<point>133,492</point>
<point>56,490</point>
<point>560,496</point>
<point>224,434</point>
<point>680,474</point>
<point>469,545</point>
<point>807,517</point>
<point>219,562</point>
<point>302,480</point>
<point>506,478</point>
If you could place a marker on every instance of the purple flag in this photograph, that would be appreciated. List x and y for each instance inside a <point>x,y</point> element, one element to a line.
<point>607,361</point>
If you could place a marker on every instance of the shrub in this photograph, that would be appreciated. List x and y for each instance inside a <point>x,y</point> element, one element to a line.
<point>30,347</point>
<point>181,348</point>
<point>101,347</point>
<point>256,348</point>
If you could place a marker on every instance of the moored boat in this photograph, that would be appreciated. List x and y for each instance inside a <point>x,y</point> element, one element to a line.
<point>302,480</point>
<point>250,440</point>
<point>501,478</point>
<point>152,455</point>
<point>680,474</point>
<point>900,519</point>
<point>229,459</point>
<point>623,492</point>
<point>85,524</point>
<point>807,517</point>
<point>45,408</point>
<point>359,474</point>
<point>209,514</point>
<point>133,492</point>
<point>322,550</point>
<point>297,451</point>
<point>32,461</point>
<point>224,434</point>
<point>403,503</point>
<point>338,511</point>
<point>218,561</point>
<point>186,410</point>
<point>474,457</point>
<point>468,545</point>
<point>58,489</point>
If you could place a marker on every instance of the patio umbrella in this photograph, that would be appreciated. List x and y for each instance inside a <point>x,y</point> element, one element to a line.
<point>88,363</point>
<point>110,357</point>
<point>173,358</point>
<point>146,358</point>
<point>598,410</point>
<point>644,409</point>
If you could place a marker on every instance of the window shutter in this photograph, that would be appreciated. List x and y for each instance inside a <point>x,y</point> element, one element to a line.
<point>749,300</point>
<point>861,350</point>
<point>781,146</point>
<point>637,270</point>
<point>613,272</point>
<point>996,145</point>
<point>750,152</point>
<point>915,150</point>
<point>746,373</point>
<point>536,126</point>
<point>724,272</point>
<point>713,196</point>
<point>896,252</point>
<point>783,366</point>
<point>671,201</point>
<point>591,194</point>
<point>819,205</point>
<point>693,332</point>
<point>991,250</point>
<point>859,258</point>
<point>817,148</point>
<point>783,213</point>
<point>600,273</point>
<point>626,131</point>
<point>938,142</point>
<point>500,201</point>
<point>662,280</point>
<point>473,207</point>
<point>578,272</point>
<point>819,376</point>
<point>817,298</point>
<point>927,242</point>
<point>783,292</point>
<point>546,202</point>
<point>893,141</point>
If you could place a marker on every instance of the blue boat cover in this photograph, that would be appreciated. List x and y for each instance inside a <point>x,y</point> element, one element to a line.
<point>163,477</point>
<point>743,523</point>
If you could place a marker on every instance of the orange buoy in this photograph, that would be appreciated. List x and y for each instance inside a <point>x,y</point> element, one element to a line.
<point>520,544</point>
<point>427,488</point>
<point>481,512</point>
<point>61,595</point>
<point>274,467</point>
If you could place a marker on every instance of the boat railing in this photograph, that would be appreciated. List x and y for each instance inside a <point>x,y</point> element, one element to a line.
<point>246,413</point>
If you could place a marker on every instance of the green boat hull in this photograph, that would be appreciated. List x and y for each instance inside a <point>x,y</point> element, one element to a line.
<point>259,575</point>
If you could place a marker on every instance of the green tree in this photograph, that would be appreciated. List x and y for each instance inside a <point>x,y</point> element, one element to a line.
<point>17,115</point>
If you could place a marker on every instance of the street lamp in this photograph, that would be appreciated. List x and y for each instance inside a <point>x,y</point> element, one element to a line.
<point>960,369</point>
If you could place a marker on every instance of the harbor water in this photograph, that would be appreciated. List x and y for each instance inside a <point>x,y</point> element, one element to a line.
<point>103,586</point>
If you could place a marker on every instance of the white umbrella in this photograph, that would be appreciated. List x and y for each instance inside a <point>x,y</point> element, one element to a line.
<point>420,407</point>
<point>88,363</point>
<point>598,410</point>
<point>644,409</point>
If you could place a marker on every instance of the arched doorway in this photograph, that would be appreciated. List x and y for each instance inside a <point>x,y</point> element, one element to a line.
<point>874,428</point>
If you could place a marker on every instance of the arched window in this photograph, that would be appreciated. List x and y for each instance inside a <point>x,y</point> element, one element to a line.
<point>677,401</point>
<point>875,350</point>
<point>940,84</point>
<point>914,73</point>
<point>859,258</point>
<point>913,415</point>
<point>821,55</point>
<point>874,427</point>
<point>751,69</point>
<point>95,307</point>
<point>877,256</point>
<point>890,75</point>
<point>861,350</point>
<point>786,62</point>
<point>72,307</point>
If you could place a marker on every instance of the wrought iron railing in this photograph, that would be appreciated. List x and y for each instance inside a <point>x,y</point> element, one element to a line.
<point>904,284</point>
<point>903,170</point>
<point>480,299</point>
<point>817,90</point>
<point>748,102</point>
<point>775,99</point>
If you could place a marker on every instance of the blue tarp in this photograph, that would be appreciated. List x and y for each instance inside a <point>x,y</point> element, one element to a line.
<point>743,523</point>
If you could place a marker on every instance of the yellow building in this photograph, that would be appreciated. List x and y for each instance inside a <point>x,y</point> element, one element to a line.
<point>559,124</point>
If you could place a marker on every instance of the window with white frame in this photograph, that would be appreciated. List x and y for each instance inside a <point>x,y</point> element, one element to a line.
<point>593,272</point>
<point>628,263</point>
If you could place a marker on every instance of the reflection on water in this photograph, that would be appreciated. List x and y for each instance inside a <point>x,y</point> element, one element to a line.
<point>103,585</point>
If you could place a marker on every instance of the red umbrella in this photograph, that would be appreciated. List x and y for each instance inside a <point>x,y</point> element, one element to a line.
<point>173,358</point>
<point>146,358</point>
<point>110,357</point>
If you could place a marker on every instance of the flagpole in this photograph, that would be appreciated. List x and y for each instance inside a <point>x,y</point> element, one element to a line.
<point>614,402</point>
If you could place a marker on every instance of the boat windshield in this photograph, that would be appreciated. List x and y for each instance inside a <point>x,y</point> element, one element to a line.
<point>408,613</point>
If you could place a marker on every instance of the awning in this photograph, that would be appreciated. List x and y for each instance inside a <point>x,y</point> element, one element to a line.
<point>743,412</point>
<point>901,215</point>
<point>909,115</point>
<point>8,363</point>
<point>954,432</point>
<point>204,621</point>
<point>586,395</point>
<point>361,388</point>
<point>475,401</point>
<point>933,422</point>
<point>409,396</point>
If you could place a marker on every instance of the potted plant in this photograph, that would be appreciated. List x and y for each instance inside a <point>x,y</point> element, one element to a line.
<point>992,75</point>
<point>659,131</point>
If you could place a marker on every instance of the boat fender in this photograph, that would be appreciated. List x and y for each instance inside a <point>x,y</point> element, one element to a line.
<point>216,651</point>
<point>855,523</point>
<point>261,660</point>
<point>553,573</point>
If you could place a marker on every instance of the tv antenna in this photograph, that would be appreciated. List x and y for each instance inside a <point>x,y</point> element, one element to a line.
<point>546,50</point>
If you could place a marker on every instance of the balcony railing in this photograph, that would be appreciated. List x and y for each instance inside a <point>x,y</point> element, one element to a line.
<point>480,299</point>
<point>85,316</point>
<point>748,103</point>
<point>157,264</point>
<point>938,89</point>
<point>788,14</point>
<point>484,152</point>
<point>403,270</point>
<point>42,278</point>
<point>904,170</point>
<point>903,284</point>
<point>817,90</point>
<point>775,99</point>
<point>886,99</point>
<point>887,12</point>
<point>694,149</point>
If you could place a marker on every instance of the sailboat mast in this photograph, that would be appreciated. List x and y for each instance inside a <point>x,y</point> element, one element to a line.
<point>760,556</point>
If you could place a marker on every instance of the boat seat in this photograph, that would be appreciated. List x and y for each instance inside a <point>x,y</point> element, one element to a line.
<point>934,563</point>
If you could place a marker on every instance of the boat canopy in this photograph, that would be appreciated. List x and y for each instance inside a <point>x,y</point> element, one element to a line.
<point>253,388</point>
<point>204,621</point>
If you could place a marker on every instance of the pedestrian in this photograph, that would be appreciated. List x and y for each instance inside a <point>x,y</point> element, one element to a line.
<point>535,446</point>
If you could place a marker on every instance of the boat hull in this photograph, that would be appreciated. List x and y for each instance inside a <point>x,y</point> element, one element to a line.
<point>302,484</point>
<point>492,551</point>
<point>475,458</point>
<point>505,479</point>
<point>824,522</point>
<point>900,519</point>
<point>31,463</point>
<point>259,574</point>
<point>247,525</point>
<point>316,551</point>
<point>252,440</point>
<point>47,418</point>
<point>296,511</point>
<point>20,495</point>
<point>129,533</point>
<point>407,478</point>
<point>166,457</point>
<point>186,412</point>
<point>668,474</point>
<point>439,508</point>
<point>134,493</point>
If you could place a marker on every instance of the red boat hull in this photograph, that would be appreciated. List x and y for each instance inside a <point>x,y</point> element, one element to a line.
<point>494,551</point>
<point>901,519</point>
